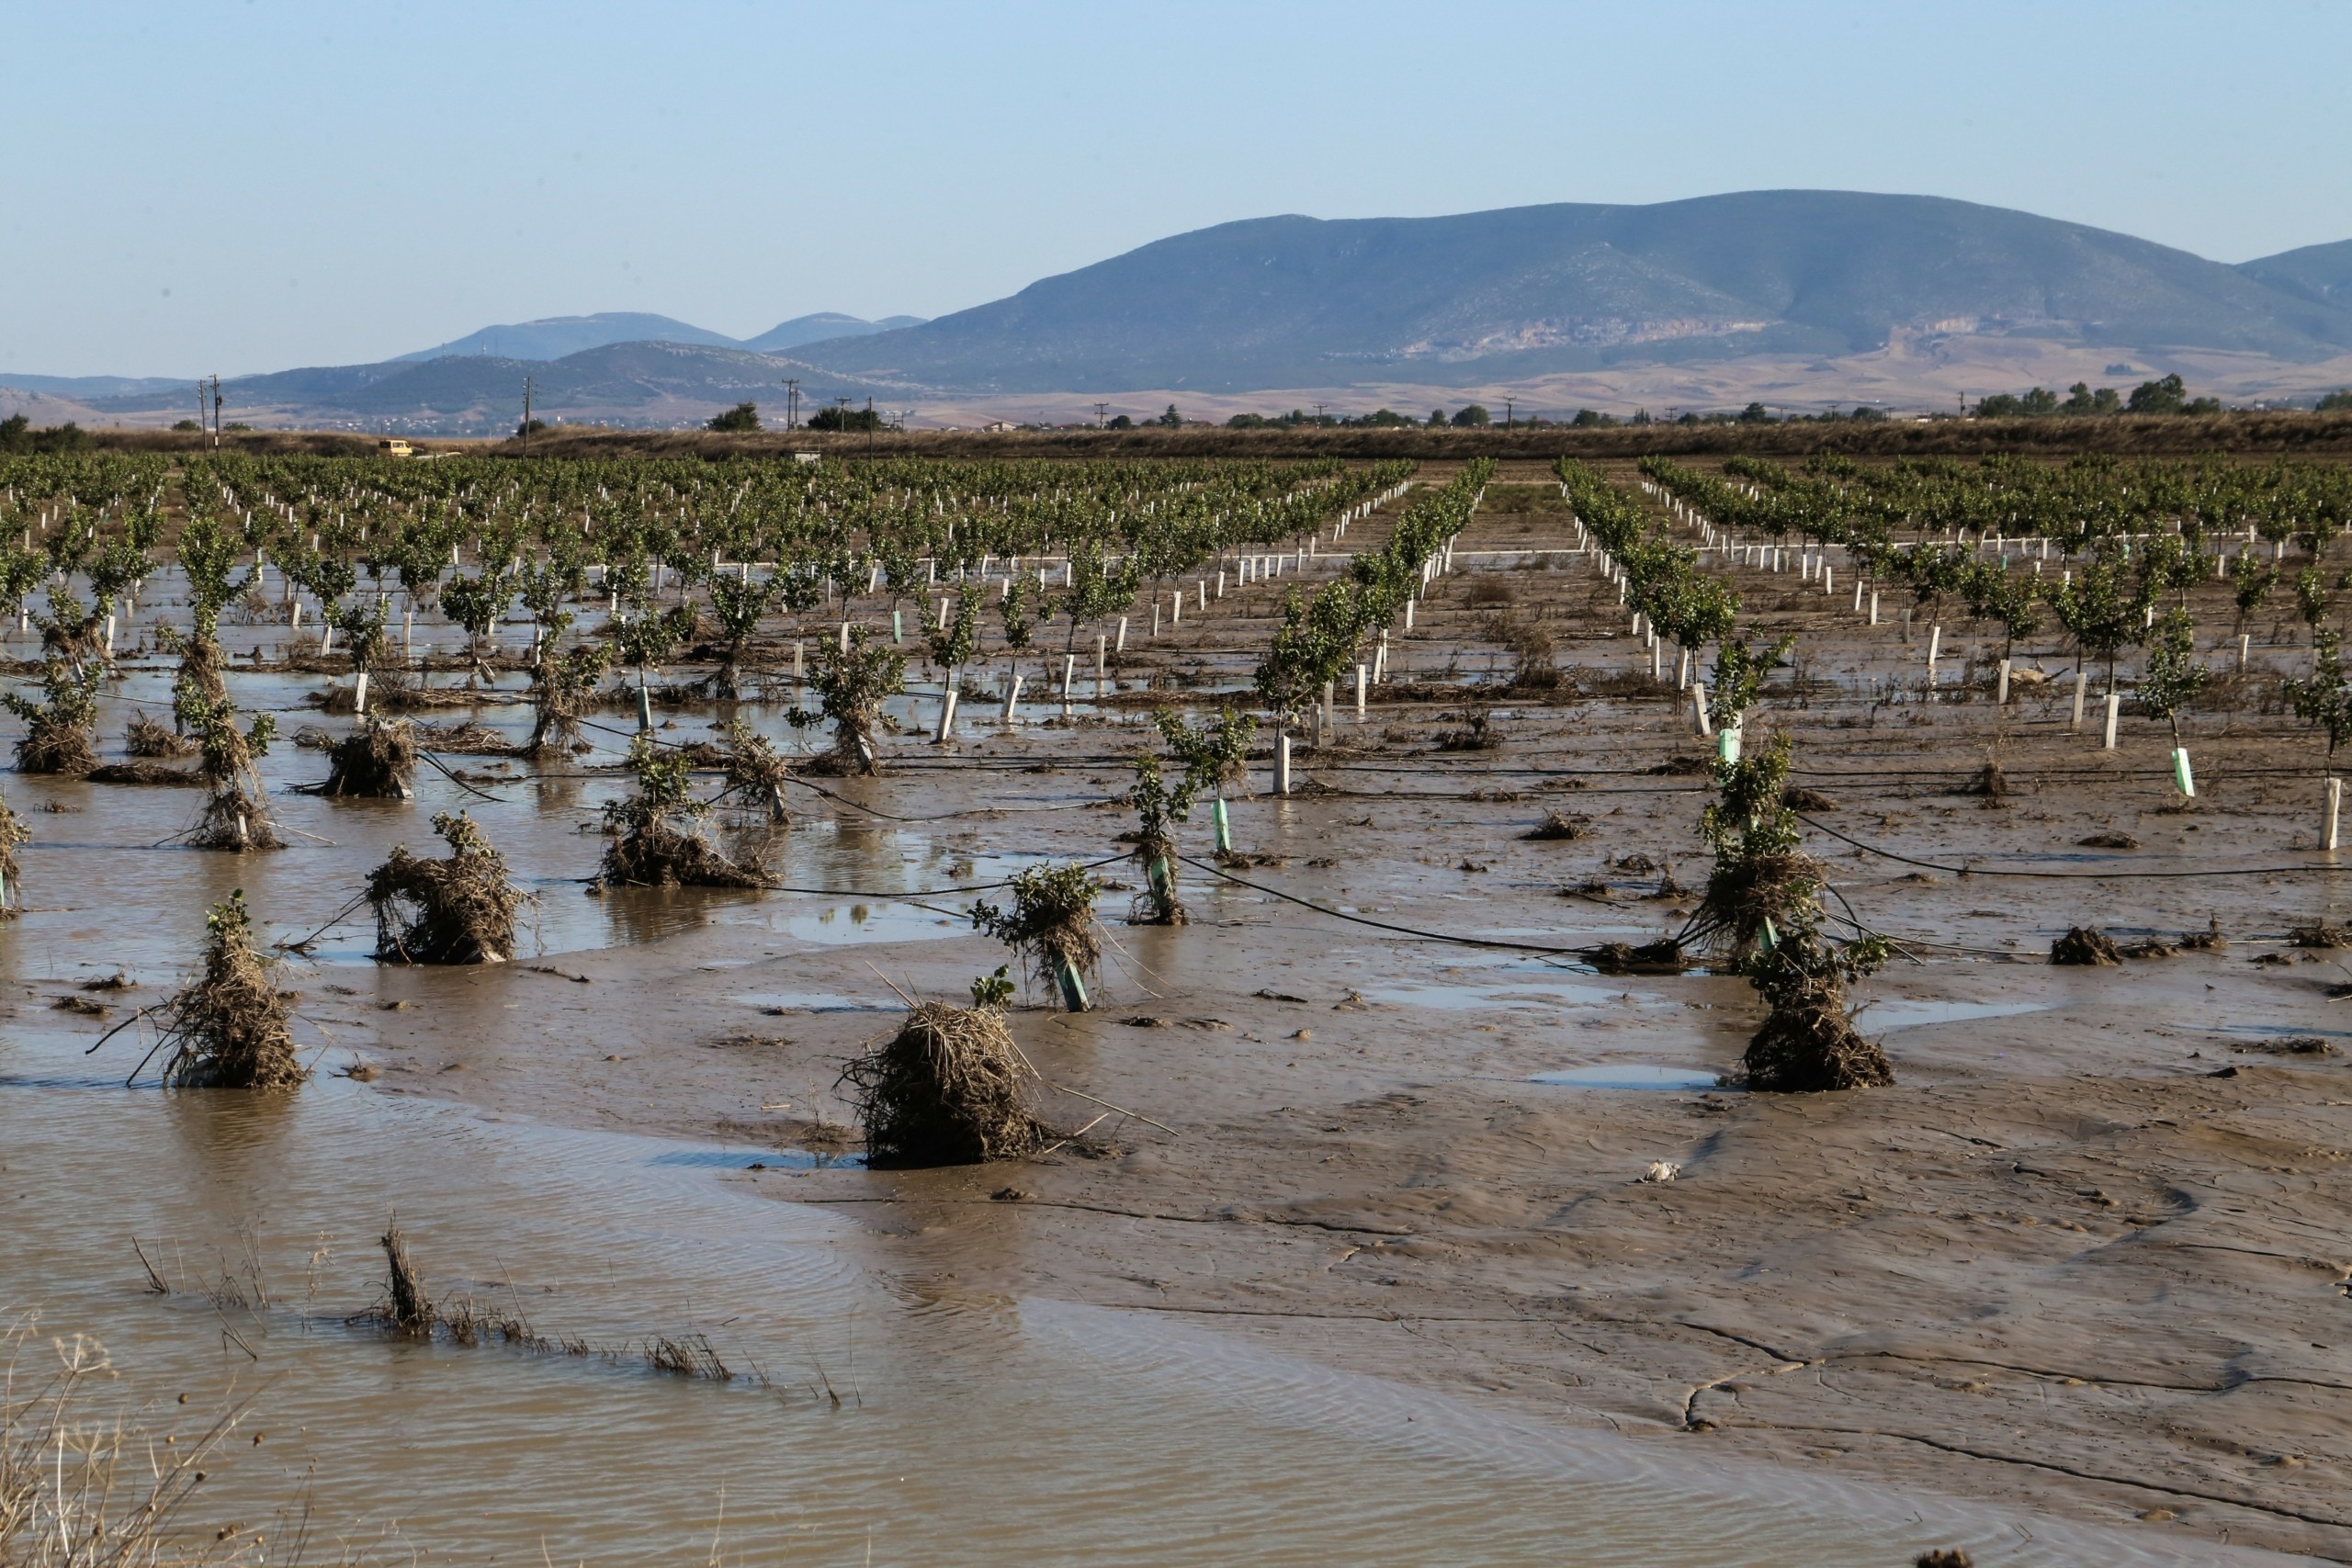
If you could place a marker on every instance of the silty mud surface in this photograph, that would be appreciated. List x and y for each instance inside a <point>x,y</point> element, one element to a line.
<point>1379,1296</point>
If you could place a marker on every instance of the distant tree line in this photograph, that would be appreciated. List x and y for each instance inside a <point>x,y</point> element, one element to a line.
<point>2167,396</point>
<point>17,435</point>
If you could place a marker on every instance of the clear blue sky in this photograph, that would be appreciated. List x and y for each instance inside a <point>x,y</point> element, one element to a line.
<point>248,185</point>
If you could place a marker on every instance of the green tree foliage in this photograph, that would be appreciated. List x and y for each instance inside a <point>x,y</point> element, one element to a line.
<point>2172,677</point>
<point>742,420</point>
<point>2324,698</point>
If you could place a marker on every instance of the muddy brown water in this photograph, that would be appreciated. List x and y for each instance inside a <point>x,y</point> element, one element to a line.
<point>973,1426</point>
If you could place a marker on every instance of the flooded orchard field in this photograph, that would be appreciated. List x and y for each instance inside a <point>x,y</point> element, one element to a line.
<point>1389,1208</point>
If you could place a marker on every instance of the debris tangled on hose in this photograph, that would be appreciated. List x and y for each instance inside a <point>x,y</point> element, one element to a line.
<point>458,909</point>
<point>659,835</point>
<point>1797,797</point>
<point>1558,825</point>
<point>228,1029</point>
<point>1627,958</point>
<point>2085,945</point>
<point>1051,926</point>
<point>374,762</point>
<point>950,1087</point>
<point>144,736</point>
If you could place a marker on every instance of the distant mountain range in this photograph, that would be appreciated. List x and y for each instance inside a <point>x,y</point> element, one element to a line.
<point>1802,283</point>
<point>557,336</point>
<point>1535,290</point>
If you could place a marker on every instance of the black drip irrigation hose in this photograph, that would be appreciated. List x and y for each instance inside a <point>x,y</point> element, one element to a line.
<point>1218,871</point>
<point>2072,875</point>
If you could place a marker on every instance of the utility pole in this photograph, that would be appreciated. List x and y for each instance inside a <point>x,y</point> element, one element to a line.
<point>216,413</point>
<point>1100,411</point>
<point>791,403</point>
<point>525,433</point>
<point>200,412</point>
<point>1318,413</point>
<point>1510,411</point>
<point>872,422</point>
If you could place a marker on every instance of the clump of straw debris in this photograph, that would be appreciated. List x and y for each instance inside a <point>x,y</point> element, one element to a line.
<point>228,1029</point>
<point>658,836</point>
<point>458,909</point>
<point>144,736</point>
<point>950,1087</point>
<point>1557,825</point>
<point>2085,945</point>
<point>374,762</point>
<point>1050,925</point>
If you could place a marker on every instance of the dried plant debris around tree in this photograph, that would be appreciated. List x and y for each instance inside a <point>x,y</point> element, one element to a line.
<point>659,835</point>
<point>236,815</point>
<point>949,1088</point>
<point>12,832</point>
<point>57,738</point>
<point>1797,797</point>
<point>1808,1042</point>
<point>1762,910</point>
<point>756,772</point>
<point>2109,841</point>
<point>2320,934</point>
<point>374,762</point>
<point>146,737</point>
<point>1051,926</point>
<point>458,909</point>
<point>229,1027</point>
<point>2085,945</point>
<point>1558,825</point>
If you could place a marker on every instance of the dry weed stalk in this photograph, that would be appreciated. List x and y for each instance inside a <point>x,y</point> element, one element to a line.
<point>78,1493</point>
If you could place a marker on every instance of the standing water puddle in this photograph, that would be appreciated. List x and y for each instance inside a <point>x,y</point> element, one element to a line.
<point>1631,1075</point>
<point>1912,1014</point>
